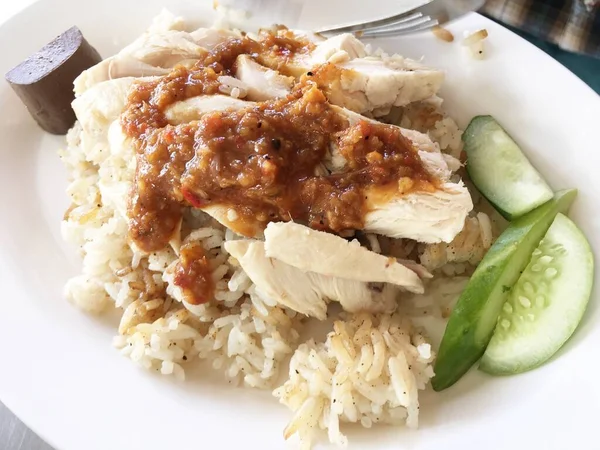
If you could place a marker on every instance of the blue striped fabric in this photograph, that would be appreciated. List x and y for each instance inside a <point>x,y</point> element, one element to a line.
<point>573,25</point>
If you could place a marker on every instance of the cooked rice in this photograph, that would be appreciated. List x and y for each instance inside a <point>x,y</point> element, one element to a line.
<point>367,371</point>
<point>442,33</point>
<point>248,346</point>
<point>474,42</point>
<point>164,344</point>
<point>468,247</point>
<point>428,116</point>
<point>233,87</point>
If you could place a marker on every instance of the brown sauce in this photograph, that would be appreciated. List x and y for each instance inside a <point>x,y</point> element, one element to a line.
<point>193,274</point>
<point>261,162</point>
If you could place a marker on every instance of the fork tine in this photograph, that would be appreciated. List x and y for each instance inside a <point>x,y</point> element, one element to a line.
<point>404,25</point>
<point>408,19</point>
<point>406,15</point>
<point>407,29</point>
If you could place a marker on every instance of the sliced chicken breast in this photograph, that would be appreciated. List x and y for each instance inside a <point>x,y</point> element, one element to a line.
<point>363,83</point>
<point>375,84</point>
<point>422,216</point>
<point>193,108</point>
<point>99,106</point>
<point>209,38</point>
<point>262,83</point>
<point>342,47</point>
<point>331,255</point>
<point>308,292</point>
<point>153,53</point>
<point>440,165</point>
<point>429,217</point>
<point>228,217</point>
<point>337,49</point>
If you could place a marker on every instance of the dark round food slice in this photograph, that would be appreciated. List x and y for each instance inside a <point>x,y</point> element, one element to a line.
<point>44,81</point>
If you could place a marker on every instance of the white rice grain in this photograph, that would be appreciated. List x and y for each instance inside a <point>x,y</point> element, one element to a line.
<point>327,386</point>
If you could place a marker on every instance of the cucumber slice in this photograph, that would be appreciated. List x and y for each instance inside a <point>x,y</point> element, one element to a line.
<point>547,303</point>
<point>474,317</point>
<point>501,171</point>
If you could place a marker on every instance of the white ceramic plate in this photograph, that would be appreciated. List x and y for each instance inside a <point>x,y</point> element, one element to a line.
<point>59,373</point>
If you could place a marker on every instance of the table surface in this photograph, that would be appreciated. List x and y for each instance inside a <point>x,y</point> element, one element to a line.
<point>14,435</point>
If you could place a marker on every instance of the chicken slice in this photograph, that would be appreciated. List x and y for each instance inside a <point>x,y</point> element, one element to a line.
<point>193,108</point>
<point>340,48</point>
<point>343,47</point>
<point>228,217</point>
<point>169,48</point>
<point>209,38</point>
<point>422,216</point>
<point>353,79</point>
<point>153,53</point>
<point>278,281</point>
<point>374,84</point>
<point>429,217</point>
<point>262,83</point>
<point>331,255</point>
<point>362,83</point>
<point>100,105</point>
<point>308,292</point>
<point>349,78</point>
<point>437,164</point>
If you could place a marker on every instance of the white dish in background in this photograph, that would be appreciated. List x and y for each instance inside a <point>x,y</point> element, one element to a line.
<point>60,374</point>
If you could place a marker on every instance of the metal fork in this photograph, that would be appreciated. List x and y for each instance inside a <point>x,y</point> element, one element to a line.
<point>428,15</point>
